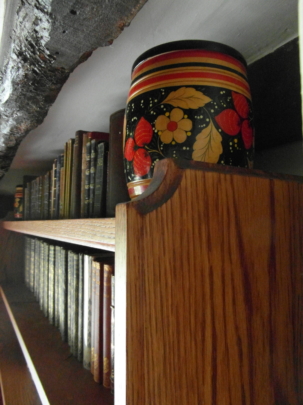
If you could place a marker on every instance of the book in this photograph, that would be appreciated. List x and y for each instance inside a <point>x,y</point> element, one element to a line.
<point>92,175</point>
<point>87,310</point>
<point>68,159</point>
<point>116,181</point>
<point>37,267</point>
<point>75,304</point>
<point>57,286</point>
<point>62,186</point>
<point>56,205</point>
<point>32,264</point>
<point>80,308</point>
<point>97,313</point>
<point>51,283</point>
<point>42,262</point>
<point>45,275</point>
<point>87,179</point>
<point>87,137</point>
<point>76,176</point>
<point>99,205</point>
<point>112,335</point>
<point>27,265</point>
<point>46,195</point>
<point>70,275</point>
<point>63,293</point>
<point>53,190</point>
<point>108,271</point>
<point>27,196</point>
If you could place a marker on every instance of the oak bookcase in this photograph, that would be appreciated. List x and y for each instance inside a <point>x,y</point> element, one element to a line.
<point>209,273</point>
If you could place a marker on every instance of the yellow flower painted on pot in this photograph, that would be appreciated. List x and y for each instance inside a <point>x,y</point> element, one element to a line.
<point>174,127</point>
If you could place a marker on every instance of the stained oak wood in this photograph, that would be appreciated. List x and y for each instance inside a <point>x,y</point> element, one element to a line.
<point>16,383</point>
<point>11,265</point>
<point>63,378</point>
<point>96,233</point>
<point>209,290</point>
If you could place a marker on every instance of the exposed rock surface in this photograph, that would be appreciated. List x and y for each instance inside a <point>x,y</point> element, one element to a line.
<point>42,43</point>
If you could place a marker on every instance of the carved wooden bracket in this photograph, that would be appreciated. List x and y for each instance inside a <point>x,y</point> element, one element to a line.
<point>43,41</point>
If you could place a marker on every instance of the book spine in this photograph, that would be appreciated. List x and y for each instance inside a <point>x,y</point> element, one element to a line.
<point>87,179</point>
<point>108,270</point>
<point>27,269</point>
<point>32,269</point>
<point>62,186</point>
<point>56,208</point>
<point>100,181</point>
<point>45,279</point>
<point>26,215</point>
<point>87,310</point>
<point>68,177</point>
<point>83,173</point>
<point>57,280</point>
<point>76,177</point>
<point>37,267</point>
<point>41,276</point>
<point>80,309</point>
<point>63,294</point>
<point>46,198</point>
<point>98,322</point>
<point>39,199</point>
<point>51,283</point>
<point>74,304</point>
<point>70,269</point>
<point>112,351</point>
<point>93,315</point>
<point>93,156</point>
<point>53,187</point>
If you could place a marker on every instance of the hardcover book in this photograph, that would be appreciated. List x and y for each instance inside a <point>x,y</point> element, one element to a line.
<point>116,182</point>
<point>63,294</point>
<point>76,176</point>
<point>80,308</point>
<point>68,177</point>
<point>99,205</point>
<point>108,271</point>
<point>56,205</point>
<point>87,137</point>
<point>98,316</point>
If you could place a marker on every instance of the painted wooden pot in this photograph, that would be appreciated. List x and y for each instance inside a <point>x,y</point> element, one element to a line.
<point>190,100</point>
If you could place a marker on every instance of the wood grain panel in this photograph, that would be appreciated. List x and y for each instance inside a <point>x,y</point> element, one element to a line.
<point>63,377</point>
<point>16,383</point>
<point>95,233</point>
<point>214,291</point>
<point>11,265</point>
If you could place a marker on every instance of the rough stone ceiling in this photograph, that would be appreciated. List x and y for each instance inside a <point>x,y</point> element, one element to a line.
<point>43,41</point>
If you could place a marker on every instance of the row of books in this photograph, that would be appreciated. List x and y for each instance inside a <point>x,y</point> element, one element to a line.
<point>75,291</point>
<point>85,181</point>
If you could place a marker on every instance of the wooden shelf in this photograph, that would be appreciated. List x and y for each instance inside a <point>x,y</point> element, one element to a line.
<point>63,378</point>
<point>95,233</point>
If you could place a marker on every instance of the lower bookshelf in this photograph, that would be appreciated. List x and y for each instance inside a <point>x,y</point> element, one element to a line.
<point>61,377</point>
<point>208,293</point>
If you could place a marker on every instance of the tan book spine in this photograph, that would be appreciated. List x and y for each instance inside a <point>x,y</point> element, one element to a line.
<point>108,270</point>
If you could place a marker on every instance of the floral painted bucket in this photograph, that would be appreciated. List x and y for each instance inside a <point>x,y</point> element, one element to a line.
<point>191,100</point>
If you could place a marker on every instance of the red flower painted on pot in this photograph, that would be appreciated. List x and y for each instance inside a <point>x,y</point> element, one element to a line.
<point>232,122</point>
<point>134,148</point>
